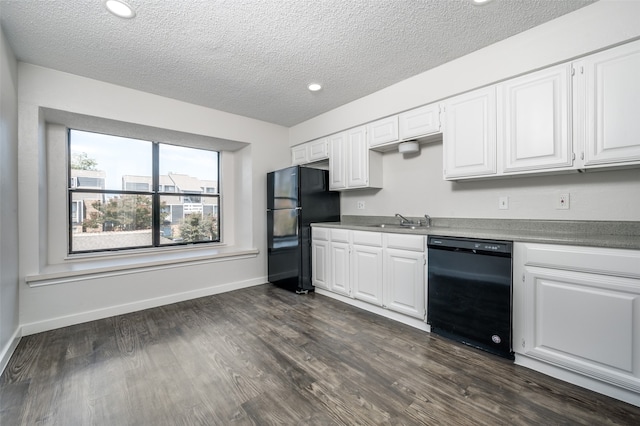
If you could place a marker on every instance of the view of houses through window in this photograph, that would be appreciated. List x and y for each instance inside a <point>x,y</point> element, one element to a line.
<point>130,193</point>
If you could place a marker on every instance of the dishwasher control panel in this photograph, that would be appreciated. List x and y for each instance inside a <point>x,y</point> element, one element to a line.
<point>470,244</point>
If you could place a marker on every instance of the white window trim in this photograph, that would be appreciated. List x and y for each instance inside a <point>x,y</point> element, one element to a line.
<point>60,267</point>
<point>142,262</point>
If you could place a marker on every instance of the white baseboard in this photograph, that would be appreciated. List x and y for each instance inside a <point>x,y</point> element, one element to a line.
<point>9,348</point>
<point>579,379</point>
<point>78,318</point>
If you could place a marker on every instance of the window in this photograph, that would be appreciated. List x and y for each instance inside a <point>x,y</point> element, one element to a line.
<point>129,193</point>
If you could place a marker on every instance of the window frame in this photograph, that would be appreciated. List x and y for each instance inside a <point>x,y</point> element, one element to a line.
<point>154,193</point>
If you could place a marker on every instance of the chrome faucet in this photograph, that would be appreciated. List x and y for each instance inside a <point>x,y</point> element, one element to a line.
<point>407,222</point>
<point>404,221</point>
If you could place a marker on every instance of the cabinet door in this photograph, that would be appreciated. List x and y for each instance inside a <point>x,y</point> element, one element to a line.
<point>366,267</point>
<point>337,162</point>
<point>358,158</point>
<point>299,154</point>
<point>571,310</point>
<point>339,259</point>
<point>404,287</point>
<point>612,105</point>
<point>533,121</point>
<point>318,150</point>
<point>320,267</point>
<point>469,135</point>
<point>383,131</point>
<point>420,122</point>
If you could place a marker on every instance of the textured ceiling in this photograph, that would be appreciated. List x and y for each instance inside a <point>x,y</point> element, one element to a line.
<point>256,57</point>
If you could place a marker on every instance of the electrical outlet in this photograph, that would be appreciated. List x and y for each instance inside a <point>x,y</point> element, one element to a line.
<point>503,203</point>
<point>360,205</point>
<point>562,202</point>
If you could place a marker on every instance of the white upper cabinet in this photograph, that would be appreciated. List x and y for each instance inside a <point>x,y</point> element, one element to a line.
<point>299,155</point>
<point>337,161</point>
<point>358,158</point>
<point>534,131</point>
<point>420,122</point>
<point>310,152</point>
<point>383,131</point>
<point>469,134</point>
<point>612,98</point>
<point>318,150</point>
<point>351,164</point>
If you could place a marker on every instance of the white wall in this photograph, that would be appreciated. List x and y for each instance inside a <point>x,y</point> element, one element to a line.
<point>415,186</point>
<point>42,90</point>
<point>8,202</point>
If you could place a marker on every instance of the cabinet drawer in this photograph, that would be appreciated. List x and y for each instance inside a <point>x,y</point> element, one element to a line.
<point>340,235</point>
<point>405,242</point>
<point>320,234</point>
<point>367,238</point>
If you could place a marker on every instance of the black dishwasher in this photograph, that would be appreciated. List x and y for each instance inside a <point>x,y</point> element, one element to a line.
<point>469,296</point>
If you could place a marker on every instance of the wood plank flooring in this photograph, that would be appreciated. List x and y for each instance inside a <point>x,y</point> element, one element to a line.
<point>265,356</point>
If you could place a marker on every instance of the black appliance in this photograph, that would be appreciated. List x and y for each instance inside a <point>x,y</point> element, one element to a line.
<point>470,292</point>
<point>296,197</point>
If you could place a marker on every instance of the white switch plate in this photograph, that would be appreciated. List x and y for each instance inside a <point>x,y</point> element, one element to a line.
<point>360,205</point>
<point>503,203</point>
<point>562,202</point>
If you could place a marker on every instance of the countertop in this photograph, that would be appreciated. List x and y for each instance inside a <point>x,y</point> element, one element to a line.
<point>608,234</point>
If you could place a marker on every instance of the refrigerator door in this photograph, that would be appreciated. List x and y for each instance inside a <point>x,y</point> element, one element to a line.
<point>282,189</point>
<point>317,202</point>
<point>284,249</point>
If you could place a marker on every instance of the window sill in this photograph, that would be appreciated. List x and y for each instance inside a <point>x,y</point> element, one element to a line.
<point>83,269</point>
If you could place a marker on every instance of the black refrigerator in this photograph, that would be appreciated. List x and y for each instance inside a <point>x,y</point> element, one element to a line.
<point>296,197</point>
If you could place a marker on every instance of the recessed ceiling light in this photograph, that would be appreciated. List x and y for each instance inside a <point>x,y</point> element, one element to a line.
<point>314,87</point>
<point>120,8</point>
<point>480,2</point>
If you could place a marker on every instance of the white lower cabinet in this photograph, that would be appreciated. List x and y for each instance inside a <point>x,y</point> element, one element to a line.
<point>320,257</point>
<point>404,289</point>
<point>366,277</point>
<point>339,273</point>
<point>382,269</point>
<point>366,266</point>
<point>578,308</point>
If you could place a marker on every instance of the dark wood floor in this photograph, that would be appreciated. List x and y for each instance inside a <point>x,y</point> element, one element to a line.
<point>264,356</point>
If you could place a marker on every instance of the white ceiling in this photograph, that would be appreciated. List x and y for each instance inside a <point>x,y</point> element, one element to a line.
<point>256,57</point>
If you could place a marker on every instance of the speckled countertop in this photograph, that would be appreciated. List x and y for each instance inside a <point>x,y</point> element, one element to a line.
<point>611,234</point>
